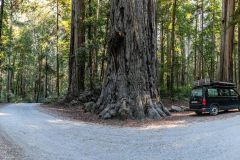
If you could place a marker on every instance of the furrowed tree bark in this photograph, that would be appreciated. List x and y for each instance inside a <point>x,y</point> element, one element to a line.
<point>103,59</point>
<point>129,89</point>
<point>226,59</point>
<point>77,55</point>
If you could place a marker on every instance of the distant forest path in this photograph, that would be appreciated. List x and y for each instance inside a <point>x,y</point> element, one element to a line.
<point>39,136</point>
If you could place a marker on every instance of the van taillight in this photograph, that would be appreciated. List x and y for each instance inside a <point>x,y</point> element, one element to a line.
<point>204,102</point>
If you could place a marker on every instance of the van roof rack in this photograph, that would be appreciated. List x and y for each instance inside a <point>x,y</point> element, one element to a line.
<point>208,82</point>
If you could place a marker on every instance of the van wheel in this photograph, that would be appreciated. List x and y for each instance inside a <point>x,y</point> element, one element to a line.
<point>214,110</point>
<point>198,113</point>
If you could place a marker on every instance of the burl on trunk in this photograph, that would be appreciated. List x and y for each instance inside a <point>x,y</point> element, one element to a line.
<point>129,88</point>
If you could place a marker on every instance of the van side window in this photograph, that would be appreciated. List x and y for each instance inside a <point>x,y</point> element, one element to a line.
<point>212,92</point>
<point>224,92</point>
<point>233,92</point>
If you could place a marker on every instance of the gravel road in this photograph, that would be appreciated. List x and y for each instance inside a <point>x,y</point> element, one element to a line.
<point>8,150</point>
<point>27,133</point>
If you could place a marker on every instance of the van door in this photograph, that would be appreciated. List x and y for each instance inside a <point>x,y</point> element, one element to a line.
<point>234,99</point>
<point>212,96</point>
<point>224,98</point>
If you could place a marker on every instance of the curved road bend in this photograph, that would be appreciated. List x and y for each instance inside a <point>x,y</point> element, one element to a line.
<point>27,133</point>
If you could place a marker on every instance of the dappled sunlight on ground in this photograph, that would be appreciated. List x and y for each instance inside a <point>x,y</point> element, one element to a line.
<point>66,122</point>
<point>32,126</point>
<point>181,123</point>
<point>4,114</point>
<point>56,121</point>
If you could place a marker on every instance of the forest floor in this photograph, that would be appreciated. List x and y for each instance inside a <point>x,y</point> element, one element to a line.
<point>177,118</point>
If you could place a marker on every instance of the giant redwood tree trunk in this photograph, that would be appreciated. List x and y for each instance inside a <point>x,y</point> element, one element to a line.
<point>129,88</point>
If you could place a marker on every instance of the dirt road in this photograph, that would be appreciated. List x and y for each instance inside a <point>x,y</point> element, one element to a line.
<point>27,133</point>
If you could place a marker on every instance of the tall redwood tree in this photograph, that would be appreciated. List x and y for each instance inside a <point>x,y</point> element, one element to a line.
<point>226,59</point>
<point>77,56</point>
<point>129,88</point>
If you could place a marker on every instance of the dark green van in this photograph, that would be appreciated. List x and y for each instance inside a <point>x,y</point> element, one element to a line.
<point>213,96</point>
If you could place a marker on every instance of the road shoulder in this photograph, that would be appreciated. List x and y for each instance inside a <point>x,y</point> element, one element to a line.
<point>180,119</point>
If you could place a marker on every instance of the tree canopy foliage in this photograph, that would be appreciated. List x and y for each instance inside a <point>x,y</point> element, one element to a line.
<point>36,35</point>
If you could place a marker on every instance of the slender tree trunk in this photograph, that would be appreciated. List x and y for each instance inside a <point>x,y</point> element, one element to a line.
<point>183,62</point>
<point>96,49</point>
<point>226,63</point>
<point>212,67</point>
<point>239,55</point>
<point>57,82</point>
<point>9,73</point>
<point>202,41</point>
<point>162,54</point>
<point>39,81</point>
<point>195,45</point>
<point>46,75</point>
<point>77,56</point>
<point>17,86</point>
<point>168,49</point>
<point>129,88</point>
<point>168,60</point>
<point>21,87</point>
<point>235,64</point>
<point>90,40</point>
<point>173,45</point>
<point>1,21</point>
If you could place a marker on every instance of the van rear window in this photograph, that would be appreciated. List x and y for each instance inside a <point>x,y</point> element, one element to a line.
<point>197,92</point>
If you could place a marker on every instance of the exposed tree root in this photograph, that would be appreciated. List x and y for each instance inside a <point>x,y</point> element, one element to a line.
<point>141,109</point>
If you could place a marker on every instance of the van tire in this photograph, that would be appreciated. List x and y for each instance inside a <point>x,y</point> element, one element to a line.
<point>214,110</point>
<point>198,113</point>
